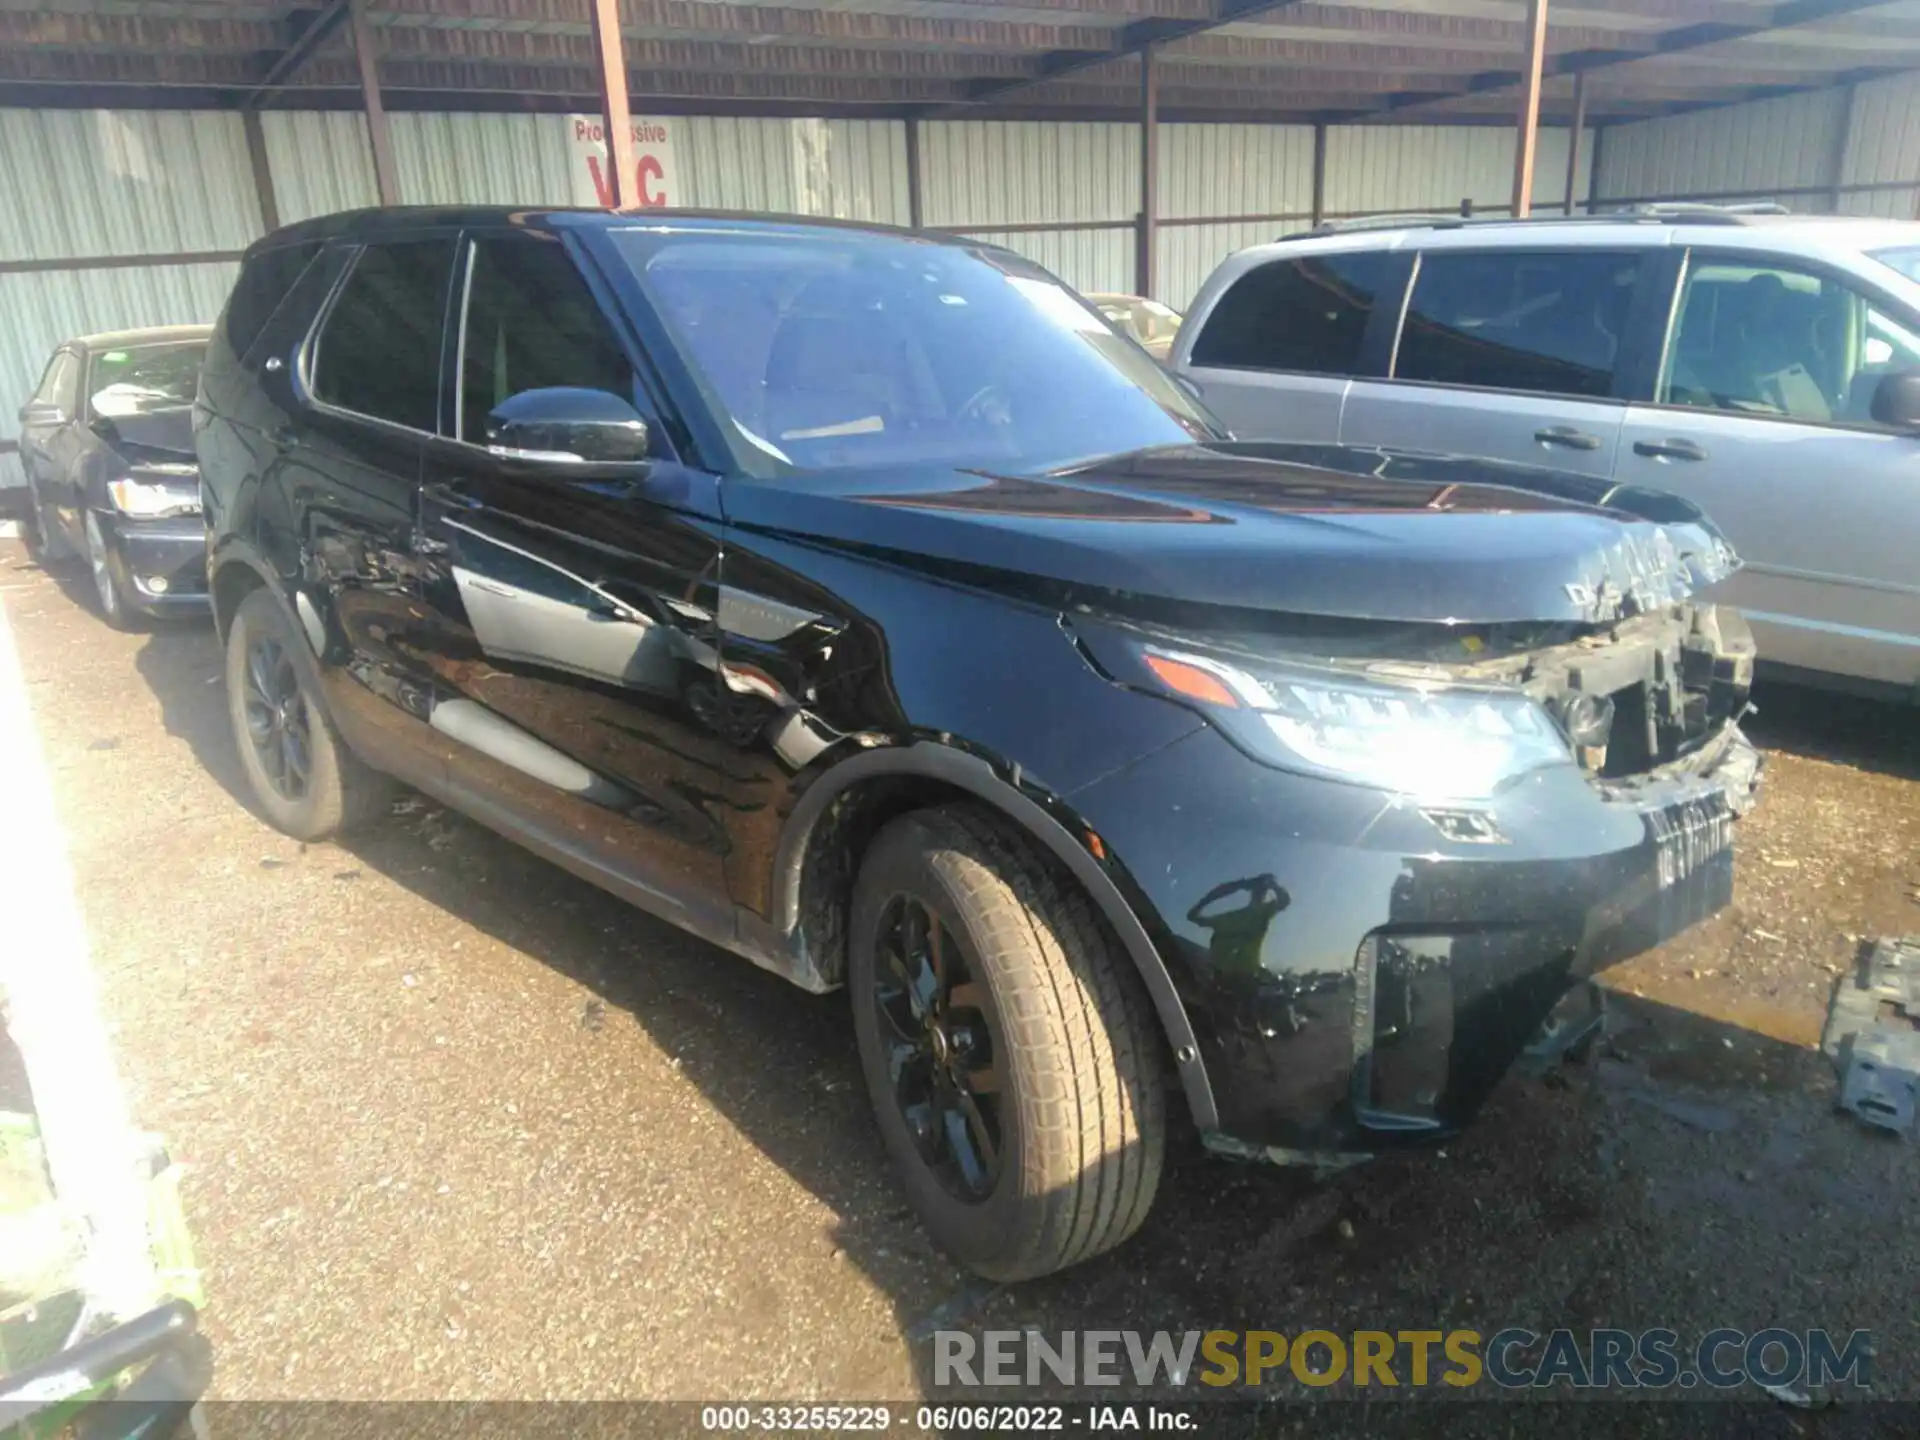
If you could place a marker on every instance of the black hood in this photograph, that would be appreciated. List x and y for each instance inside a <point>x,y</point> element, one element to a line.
<point>1309,530</point>
<point>150,436</point>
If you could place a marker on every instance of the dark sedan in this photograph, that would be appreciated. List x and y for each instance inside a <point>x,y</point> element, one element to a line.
<point>107,444</point>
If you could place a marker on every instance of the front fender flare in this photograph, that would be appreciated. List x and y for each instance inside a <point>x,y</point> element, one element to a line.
<point>963,771</point>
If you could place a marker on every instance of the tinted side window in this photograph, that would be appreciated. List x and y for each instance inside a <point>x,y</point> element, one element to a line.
<point>379,349</point>
<point>531,324</point>
<point>1518,320</point>
<point>1306,314</point>
<point>263,284</point>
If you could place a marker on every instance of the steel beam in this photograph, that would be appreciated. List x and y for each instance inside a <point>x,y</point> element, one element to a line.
<point>1130,39</point>
<point>1671,42</point>
<point>386,174</point>
<point>262,170</point>
<point>1528,137</point>
<point>1319,175</point>
<point>1149,170</point>
<point>914,216</point>
<point>320,26</point>
<point>1574,135</point>
<point>616,114</point>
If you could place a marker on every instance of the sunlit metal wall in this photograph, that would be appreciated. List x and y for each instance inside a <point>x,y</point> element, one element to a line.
<point>1225,170</point>
<point>1883,149</point>
<point>982,175</point>
<point>98,185</point>
<point>1760,151</point>
<point>1384,168</point>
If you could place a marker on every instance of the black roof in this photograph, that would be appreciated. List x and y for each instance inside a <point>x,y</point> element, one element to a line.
<point>361,224</point>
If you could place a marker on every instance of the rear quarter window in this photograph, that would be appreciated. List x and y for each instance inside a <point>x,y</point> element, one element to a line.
<point>265,282</point>
<point>1306,314</point>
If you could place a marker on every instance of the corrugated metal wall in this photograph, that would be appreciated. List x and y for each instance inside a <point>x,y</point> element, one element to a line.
<point>1883,148</point>
<point>1748,152</point>
<point>977,174</point>
<point>97,184</point>
<point>1373,168</point>
<point>103,184</point>
<point>1224,170</point>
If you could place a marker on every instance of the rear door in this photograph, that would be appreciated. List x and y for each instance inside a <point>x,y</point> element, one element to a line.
<point>1763,416</point>
<point>1507,354</point>
<point>574,616</point>
<point>1274,354</point>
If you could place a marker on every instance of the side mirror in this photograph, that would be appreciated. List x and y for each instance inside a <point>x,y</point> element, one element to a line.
<point>568,426</point>
<point>1896,400</point>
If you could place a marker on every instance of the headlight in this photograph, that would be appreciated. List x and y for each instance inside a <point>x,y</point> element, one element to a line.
<point>143,500</point>
<point>1400,734</point>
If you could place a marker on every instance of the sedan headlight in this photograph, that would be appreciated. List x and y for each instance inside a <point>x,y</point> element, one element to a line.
<point>144,500</point>
<point>1402,734</point>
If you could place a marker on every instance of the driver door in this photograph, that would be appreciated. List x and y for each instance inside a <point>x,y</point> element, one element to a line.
<point>574,616</point>
<point>1763,417</point>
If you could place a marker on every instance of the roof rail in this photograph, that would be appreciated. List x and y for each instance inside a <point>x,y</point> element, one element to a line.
<point>1655,213</point>
<point>1698,210</point>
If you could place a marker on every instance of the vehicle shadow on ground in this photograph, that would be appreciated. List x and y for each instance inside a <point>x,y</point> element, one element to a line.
<point>1875,735</point>
<point>1663,1183</point>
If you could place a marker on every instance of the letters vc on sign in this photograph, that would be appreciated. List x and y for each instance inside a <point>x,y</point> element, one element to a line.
<point>655,182</point>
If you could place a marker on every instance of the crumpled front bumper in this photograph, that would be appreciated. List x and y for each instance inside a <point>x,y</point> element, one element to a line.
<point>1360,969</point>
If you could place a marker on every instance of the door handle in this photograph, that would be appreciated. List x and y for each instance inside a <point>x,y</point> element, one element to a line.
<point>1675,449</point>
<point>1567,437</point>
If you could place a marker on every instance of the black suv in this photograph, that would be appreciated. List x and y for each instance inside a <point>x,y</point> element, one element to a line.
<point>864,602</point>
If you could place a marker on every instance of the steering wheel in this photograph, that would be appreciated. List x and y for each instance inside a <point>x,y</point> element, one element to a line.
<point>989,405</point>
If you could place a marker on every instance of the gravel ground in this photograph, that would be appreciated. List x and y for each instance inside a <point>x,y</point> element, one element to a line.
<point>461,1126</point>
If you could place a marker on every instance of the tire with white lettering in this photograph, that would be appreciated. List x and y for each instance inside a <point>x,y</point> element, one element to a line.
<point>1013,1060</point>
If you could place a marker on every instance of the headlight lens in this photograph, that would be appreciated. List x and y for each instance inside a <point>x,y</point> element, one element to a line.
<point>144,500</point>
<point>1414,738</point>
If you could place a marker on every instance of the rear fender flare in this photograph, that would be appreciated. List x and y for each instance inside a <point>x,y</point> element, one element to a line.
<point>963,771</point>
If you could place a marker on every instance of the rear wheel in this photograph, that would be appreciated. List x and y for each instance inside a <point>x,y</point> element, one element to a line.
<point>304,779</point>
<point>1012,1061</point>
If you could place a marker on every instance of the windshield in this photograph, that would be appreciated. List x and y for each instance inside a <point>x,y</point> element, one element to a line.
<point>141,380</point>
<point>1906,260</point>
<point>845,349</point>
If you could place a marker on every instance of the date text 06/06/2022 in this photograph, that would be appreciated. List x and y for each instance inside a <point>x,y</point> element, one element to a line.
<point>947,1419</point>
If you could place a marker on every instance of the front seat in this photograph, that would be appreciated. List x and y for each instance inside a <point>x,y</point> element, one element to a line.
<point>831,369</point>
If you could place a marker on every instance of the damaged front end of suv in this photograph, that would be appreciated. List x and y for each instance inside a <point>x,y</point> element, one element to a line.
<point>1457,810</point>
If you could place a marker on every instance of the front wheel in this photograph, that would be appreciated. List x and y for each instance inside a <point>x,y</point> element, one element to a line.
<point>109,577</point>
<point>1012,1059</point>
<point>304,779</point>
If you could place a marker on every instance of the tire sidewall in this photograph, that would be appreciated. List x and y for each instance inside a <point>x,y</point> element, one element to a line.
<point>976,1233</point>
<point>317,813</point>
<point>116,610</point>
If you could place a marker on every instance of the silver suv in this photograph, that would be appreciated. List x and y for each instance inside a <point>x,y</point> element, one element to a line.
<point>1765,366</point>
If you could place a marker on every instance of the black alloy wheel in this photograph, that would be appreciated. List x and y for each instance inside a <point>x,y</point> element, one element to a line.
<point>278,725</point>
<point>941,1049</point>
